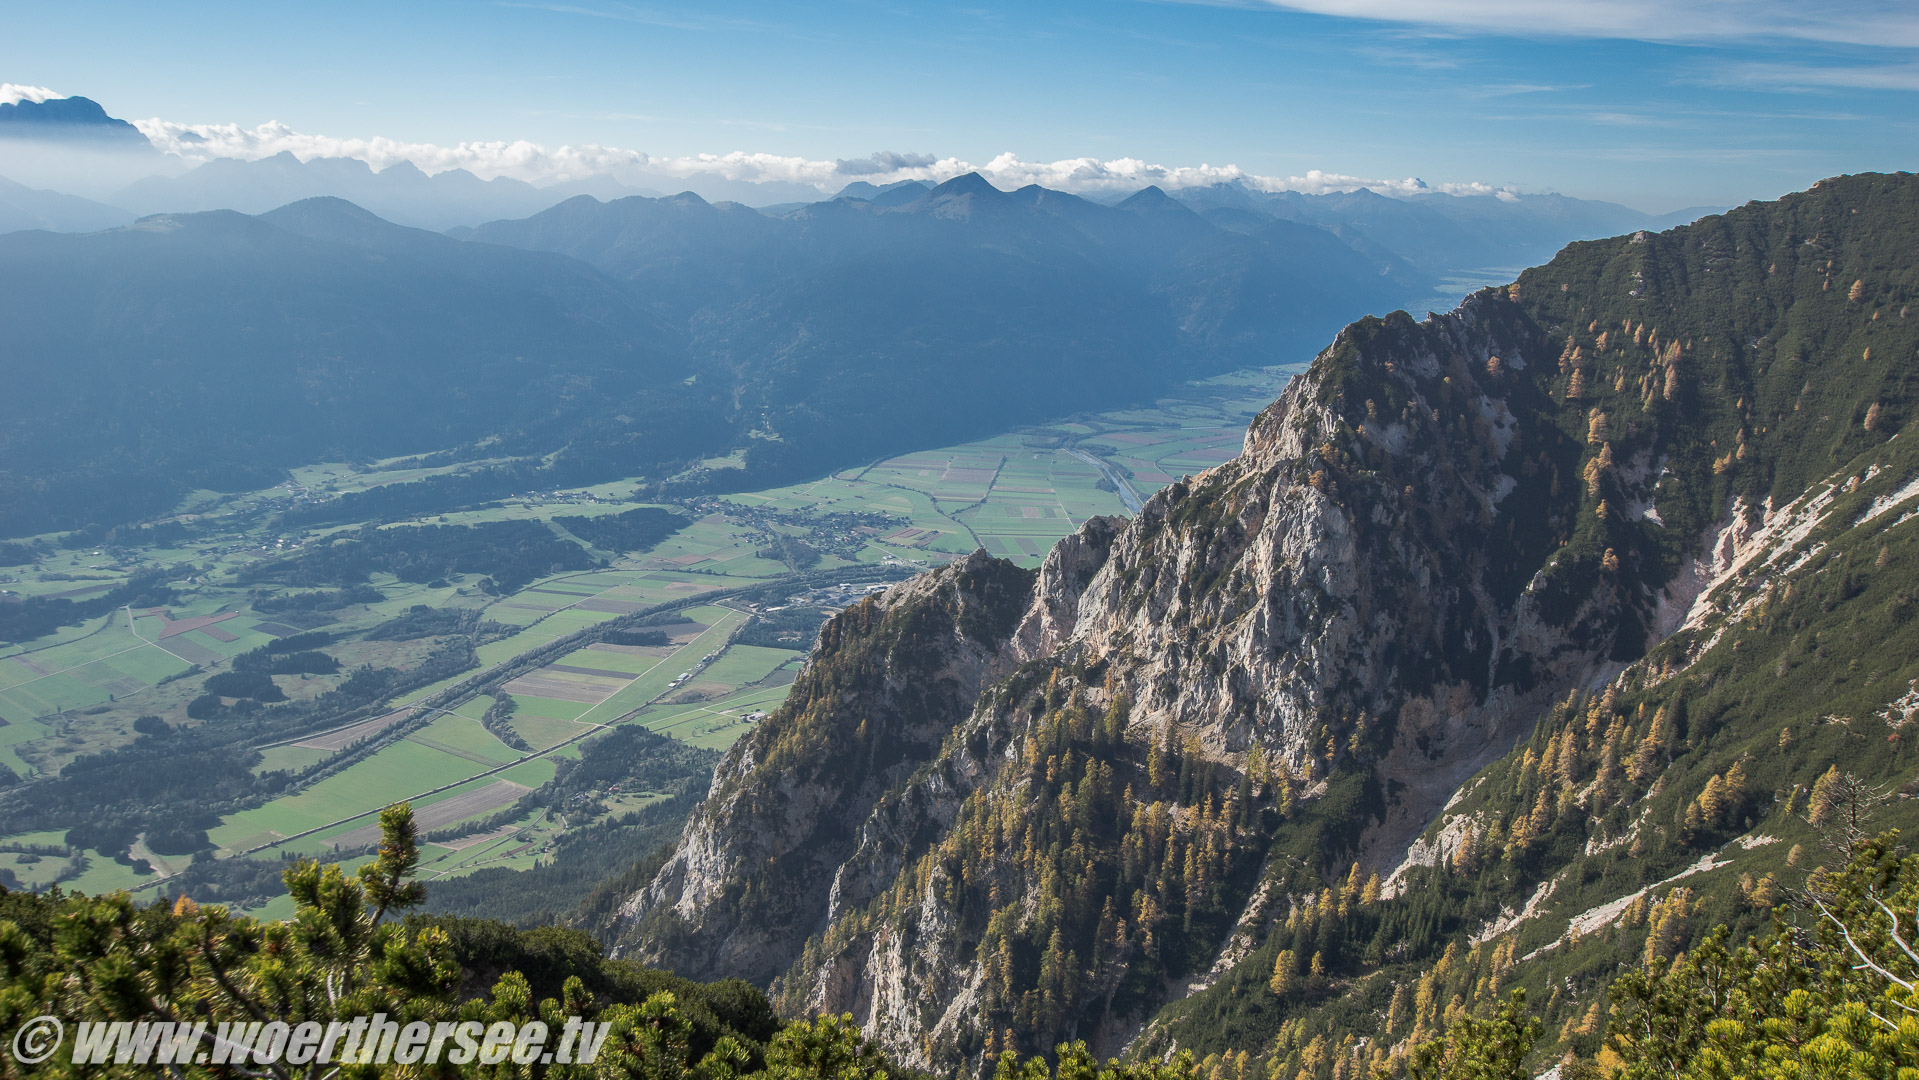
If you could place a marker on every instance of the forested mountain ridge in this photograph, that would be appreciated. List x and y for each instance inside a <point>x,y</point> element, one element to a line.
<point>1227,722</point>
<point>1701,784</point>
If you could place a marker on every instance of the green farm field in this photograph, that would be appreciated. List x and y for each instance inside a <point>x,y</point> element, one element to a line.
<point>718,723</point>
<point>454,747</point>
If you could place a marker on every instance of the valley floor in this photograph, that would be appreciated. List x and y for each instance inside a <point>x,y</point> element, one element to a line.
<point>78,691</point>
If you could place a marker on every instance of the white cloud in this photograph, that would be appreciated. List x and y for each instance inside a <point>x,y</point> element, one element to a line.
<point>540,165</point>
<point>1129,174</point>
<point>1892,23</point>
<point>14,93</point>
<point>1499,90</point>
<point>1816,77</point>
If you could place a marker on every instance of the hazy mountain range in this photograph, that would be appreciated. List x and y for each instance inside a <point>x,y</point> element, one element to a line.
<point>650,331</point>
<point>203,347</point>
<point>632,337</point>
<point>22,207</point>
<point>1438,232</point>
<point>1435,230</point>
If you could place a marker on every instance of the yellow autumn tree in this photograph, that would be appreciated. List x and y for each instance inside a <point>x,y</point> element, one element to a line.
<point>1285,973</point>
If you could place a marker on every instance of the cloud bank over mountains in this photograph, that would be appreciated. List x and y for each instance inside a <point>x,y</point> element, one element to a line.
<point>15,93</point>
<point>537,164</point>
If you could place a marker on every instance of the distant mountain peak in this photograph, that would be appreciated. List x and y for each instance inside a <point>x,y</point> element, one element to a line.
<point>64,119</point>
<point>1152,199</point>
<point>318,205</point>
<point>970,183</point>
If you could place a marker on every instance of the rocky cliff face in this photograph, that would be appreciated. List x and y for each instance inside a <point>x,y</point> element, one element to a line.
<point>1338,598</point>
<point>888,679</point>
<point>1135,763</point>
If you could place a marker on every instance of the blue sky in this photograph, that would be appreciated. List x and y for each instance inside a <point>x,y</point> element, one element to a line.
<point>1655,105</point>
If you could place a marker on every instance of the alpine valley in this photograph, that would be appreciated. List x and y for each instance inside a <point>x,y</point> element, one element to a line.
<point>1528,692</point>
<point>1520,647</point>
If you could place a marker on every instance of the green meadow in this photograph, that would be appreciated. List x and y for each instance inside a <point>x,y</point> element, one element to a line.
<point>454,747</point>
